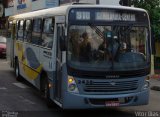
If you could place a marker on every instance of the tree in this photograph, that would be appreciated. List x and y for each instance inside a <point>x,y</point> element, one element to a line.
<point>153,8</point>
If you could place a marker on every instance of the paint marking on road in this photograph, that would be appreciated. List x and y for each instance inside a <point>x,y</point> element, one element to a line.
<point>3,88</point>
<point>27,100</point>
<point>5,62</point>
<point>20,85</point>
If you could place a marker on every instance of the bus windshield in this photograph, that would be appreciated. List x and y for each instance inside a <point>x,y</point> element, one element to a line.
<point>108,48</point>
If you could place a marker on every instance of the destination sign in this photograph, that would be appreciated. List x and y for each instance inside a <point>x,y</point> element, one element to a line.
<point>106,15</point>
<point>113,16</point>
<point>82,15</point>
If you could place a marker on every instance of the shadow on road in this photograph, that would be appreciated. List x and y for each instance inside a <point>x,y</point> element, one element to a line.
<point>79,113</point>
<point>111,112</point>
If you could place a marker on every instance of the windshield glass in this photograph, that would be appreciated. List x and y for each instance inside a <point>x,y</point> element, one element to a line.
<point>107,48</point>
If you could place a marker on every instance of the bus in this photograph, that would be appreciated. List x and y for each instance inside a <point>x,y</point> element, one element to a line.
<point>84,56</point>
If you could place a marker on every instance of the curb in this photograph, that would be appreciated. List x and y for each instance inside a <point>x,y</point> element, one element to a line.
<point>156,76</point>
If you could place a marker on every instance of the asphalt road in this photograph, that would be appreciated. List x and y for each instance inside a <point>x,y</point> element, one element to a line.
<point>20,99</point>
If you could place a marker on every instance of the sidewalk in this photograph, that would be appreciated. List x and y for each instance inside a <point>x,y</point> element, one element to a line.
<point>155,82</point>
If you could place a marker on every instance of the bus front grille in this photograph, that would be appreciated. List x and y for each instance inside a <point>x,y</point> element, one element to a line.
<point>111,86</point>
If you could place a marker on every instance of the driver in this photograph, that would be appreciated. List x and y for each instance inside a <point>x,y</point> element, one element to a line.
<point>85,48</point>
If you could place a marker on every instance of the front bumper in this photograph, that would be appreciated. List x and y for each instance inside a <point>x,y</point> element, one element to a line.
<point>78,101</point>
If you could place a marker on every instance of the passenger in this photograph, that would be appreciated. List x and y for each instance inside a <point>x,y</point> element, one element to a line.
<point>75,45</point>
<point>123,47</point>
<point>85,48</point>
<point>104,51</point>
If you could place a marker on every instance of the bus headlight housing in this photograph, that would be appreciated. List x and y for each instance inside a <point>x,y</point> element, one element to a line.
<point>146,83</point>
<point>72,86</point>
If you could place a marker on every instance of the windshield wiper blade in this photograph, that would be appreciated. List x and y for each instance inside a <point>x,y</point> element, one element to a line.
<point>97,30</point>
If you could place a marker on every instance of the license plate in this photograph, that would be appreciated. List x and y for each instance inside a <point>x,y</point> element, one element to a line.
<point>112,103</point>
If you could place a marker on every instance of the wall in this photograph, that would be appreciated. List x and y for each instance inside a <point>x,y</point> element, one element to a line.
<point>103,2</point>
<point>109,2</point>
<point>21,6</point>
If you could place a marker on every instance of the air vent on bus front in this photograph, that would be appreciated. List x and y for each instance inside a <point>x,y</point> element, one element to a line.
<point>116,86</point>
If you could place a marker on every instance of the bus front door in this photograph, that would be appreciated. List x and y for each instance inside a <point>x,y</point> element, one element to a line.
<point>58,81</point>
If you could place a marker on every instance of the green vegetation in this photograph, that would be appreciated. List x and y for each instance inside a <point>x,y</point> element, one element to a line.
<point>153,8</point>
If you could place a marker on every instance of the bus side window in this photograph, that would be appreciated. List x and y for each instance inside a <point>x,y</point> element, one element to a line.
<point>48,33</point>
<point>9,28</point>
<point>10,23</point>
<point>28,31</point>
<point>17,30</point>
<point>20,30</point>
<point>37,29</point>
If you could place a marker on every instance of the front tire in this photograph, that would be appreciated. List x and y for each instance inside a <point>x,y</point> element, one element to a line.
<point>45,91</point>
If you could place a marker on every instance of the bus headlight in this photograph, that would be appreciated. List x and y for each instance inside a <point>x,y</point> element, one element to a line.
<point>72,87</point>
<point>146,84</point>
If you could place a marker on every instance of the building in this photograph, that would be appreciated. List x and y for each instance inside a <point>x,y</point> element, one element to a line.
<point>20,6</point>
<point>107,2</point>
<point>110,2</point>
<point>2,18</point>
<point>13,7</point>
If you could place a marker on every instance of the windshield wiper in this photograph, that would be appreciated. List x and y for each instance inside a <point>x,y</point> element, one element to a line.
<point>97,30</point>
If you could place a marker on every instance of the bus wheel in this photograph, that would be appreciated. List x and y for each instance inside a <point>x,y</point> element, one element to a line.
<point>16,69</point>
<point>45,92</point>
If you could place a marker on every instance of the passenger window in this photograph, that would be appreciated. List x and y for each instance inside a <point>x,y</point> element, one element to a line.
<point>9,26</point>
<point>20,30</point>
<point>48,33</point>
<point>36,34</point>
<point>48,25</point>
<point>10,23</point>
<point>28,31</point>
<point>17,29</point>
<point>37,25</point>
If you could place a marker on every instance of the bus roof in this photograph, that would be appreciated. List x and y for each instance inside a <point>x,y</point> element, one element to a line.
<point>63,10</point>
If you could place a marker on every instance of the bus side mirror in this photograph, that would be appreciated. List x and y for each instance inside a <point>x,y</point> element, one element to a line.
<point>63,43</point>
